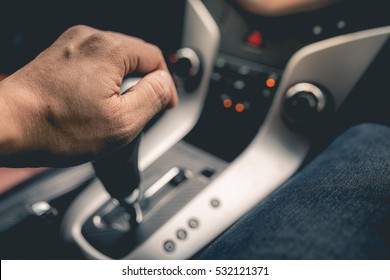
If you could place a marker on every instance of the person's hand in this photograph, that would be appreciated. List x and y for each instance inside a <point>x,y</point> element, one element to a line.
<point>65,107</point>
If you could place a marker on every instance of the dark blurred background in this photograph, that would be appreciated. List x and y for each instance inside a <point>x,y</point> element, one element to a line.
<point>28,27</point>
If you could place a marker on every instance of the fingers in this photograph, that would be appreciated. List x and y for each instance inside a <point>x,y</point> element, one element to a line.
<point>143,57</point>
<point>140,55</point>
<point>153,93</point>
<point>146,58</point>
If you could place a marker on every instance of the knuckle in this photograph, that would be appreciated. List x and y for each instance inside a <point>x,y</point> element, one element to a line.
<point>68,51</point>
<point>160,91</point>
<point>76,29</point>
<point>136,39</point>
<point>94,43</point>
<point>96,38</point>
<point>120,122</point>
<point>157,51</point>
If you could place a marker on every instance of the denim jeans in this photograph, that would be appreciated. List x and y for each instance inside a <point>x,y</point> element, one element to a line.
<point>337,207</point>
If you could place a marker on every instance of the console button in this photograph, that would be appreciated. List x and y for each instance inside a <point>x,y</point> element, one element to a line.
<point>266,93</point>
<point>216,76</point>
<point>270,82</point>
<point>241,107</point>
<point>207,172</point>
<point>193,223</point>
<point>238,84</point>
<point>220,63</point>
<point>244,70</point>
<point>226,102</point>
<point>181,234</point>
<point>215,203</point>
<point>169,246</point>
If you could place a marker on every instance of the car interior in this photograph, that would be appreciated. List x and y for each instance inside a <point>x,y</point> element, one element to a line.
<point>261,93</point>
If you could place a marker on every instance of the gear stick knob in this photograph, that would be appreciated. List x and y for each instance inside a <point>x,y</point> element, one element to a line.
<point>120,176</point>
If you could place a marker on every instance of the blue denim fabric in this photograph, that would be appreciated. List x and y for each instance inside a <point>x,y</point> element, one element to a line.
<point>337,207</point>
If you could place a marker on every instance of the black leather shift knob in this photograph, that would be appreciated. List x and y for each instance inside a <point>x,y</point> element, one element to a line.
<point>119,172</point>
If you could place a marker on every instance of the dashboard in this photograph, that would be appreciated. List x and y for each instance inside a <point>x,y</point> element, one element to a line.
<point>242,127</point>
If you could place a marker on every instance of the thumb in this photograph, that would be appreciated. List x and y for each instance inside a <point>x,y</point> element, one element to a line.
<point>151,94</point>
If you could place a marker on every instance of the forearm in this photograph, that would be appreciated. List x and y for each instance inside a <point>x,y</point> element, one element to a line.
<point>9,132</point>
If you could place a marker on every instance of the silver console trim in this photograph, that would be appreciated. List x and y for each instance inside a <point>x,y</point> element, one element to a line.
<point>275,153</point>
<point>337,63</point>
<point>201,33</point>
<point>160,183</point>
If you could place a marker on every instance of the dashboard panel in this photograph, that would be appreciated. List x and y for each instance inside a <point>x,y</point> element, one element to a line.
<point>282,36</point>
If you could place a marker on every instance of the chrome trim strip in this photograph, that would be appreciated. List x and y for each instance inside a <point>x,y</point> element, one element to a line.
<point>160,183</point>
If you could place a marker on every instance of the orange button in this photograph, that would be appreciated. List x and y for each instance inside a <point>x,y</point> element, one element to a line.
<point>270,82</point>
<point>227,103</point>
<point>239,107</point>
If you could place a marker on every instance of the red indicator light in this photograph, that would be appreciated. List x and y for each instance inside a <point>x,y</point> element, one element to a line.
<point>255,39</point>
<point>270,82</point>
<point>173,58</point>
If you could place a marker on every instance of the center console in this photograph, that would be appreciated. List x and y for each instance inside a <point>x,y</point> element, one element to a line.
<point>242,128</point>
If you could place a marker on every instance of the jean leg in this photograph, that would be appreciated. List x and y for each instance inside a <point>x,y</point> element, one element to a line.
<point>337,207</point>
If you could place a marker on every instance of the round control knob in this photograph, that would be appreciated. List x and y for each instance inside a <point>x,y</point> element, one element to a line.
<point>304,106</point>
<point>186,67</point>
<point>185,63</point>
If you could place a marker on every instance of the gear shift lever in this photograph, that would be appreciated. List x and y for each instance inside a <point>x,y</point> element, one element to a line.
<point>120,176</point>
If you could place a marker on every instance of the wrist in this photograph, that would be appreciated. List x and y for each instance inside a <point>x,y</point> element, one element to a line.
<point>14,125</point>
